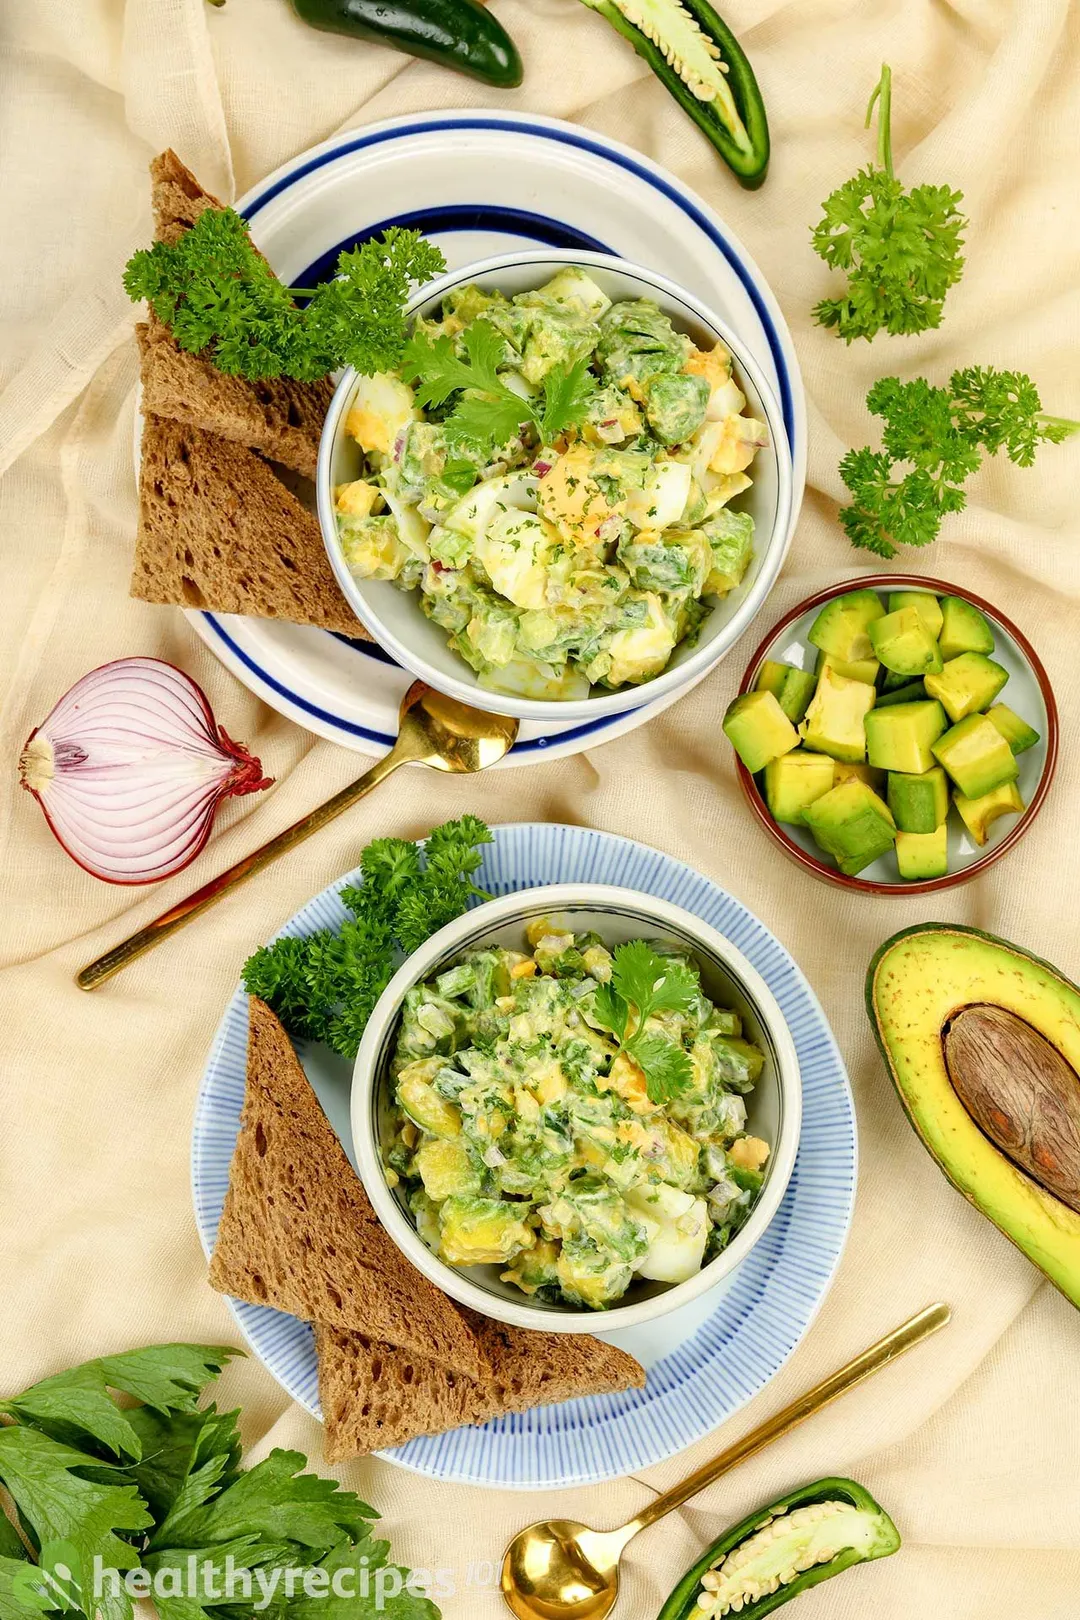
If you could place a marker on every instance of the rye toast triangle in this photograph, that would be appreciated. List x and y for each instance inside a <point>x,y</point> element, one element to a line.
<point>219,531</point>
<point>278,416</point>
<point>374,1396</point>
<point>298,1233</point>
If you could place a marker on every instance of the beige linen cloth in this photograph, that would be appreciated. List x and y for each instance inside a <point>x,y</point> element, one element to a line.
<point>973,1442</point>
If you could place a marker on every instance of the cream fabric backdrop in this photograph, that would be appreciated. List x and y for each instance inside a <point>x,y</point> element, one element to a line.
<point>973,1443</point>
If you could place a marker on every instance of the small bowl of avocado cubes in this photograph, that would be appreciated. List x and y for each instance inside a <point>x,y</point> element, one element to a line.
<point>895,734</point>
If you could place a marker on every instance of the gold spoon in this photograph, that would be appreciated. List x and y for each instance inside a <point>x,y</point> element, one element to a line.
<point>562,1570</point>
<point>433,730</point>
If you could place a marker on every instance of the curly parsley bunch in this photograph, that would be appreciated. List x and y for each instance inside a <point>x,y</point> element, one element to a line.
<point>219,297</point>
<point>899,249</point>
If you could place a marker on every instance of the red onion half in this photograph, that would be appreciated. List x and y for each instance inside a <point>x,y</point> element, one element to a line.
<point>130,768</point>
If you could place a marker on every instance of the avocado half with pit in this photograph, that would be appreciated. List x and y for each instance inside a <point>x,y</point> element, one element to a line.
<point>982,1040</point>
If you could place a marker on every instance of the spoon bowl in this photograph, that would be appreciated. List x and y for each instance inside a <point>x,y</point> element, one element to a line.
<point>561,1570</point>
<point>439,731</point>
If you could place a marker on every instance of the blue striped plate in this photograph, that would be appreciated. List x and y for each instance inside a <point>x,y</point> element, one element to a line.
<point>704,1362</point>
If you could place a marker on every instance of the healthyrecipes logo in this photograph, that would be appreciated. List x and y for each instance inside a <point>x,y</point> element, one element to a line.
<point>59,1582</point>
<point>54,1582</point>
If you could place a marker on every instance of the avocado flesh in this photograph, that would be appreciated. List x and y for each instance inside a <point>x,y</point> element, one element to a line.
<point>925,604</point>
<point>976,756</point>
<point>978,815</point>
<point>794,781</point>
<point>967,684</point>
<point>758,729</point>
<point>852,825</point>
<point>918,981</point>
<point>862,669</point>
<point>841,629</point>
<point>963,629</point>
<point>791,687</point>
<point>1016,732</point>
<point>834,722</point>
<point>920,856</point>
<point>902,642</point>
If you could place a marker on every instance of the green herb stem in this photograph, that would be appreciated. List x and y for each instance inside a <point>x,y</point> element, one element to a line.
<point>882,99</point>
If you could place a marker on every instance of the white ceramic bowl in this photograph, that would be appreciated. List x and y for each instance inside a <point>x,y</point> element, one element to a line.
<point>617,915</point>
<point>395,618</point>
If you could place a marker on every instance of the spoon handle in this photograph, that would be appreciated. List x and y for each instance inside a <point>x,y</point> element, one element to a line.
<point>195,904</point>
<point>871,1360</point>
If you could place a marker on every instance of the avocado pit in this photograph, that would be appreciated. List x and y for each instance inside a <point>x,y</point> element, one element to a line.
<point>1020,1091</point>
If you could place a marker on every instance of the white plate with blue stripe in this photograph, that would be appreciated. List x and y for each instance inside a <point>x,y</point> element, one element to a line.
<point>480,183</point>
<point>705,1361</point>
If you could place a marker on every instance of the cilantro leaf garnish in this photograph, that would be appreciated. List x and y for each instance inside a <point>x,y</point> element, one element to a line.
<point>900,250</point>
<point>642,984</point>
<point>933,440</point>
<point>218,296</point>
<point>323,987</point>
<point>488,413</point>
<point>277,1500</point>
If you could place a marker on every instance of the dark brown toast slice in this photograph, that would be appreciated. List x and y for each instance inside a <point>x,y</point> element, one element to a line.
<point>218,530</point>
<point>279,417</point>
<point>374,1396</point>
<point>297,1231</point>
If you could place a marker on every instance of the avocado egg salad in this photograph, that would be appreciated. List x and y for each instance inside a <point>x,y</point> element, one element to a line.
<point>574,1116</point>
<point>552,472</point>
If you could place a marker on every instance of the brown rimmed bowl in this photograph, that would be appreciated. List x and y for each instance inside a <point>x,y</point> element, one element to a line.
<point>1028,692</point>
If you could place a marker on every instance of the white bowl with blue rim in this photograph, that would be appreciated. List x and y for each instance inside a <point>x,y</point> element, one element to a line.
<point>395,618</point>
<point>480,182</point>
<point>705,1360</point>
<point>774,1107</point>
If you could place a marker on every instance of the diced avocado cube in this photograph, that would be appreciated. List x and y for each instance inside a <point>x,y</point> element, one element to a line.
<point>923,855</point>
<point>798,691</point>
<point>1016,732</point>
<point>758,729</point>
<point>978,814</point>
<point>919,803</point>
<point>834,720</point>
<point>862,669</point>
<point>791,687</point>
<point>969,682</point>
<point>845,771</point>
<point>925,604</point>
<point>841,628</point>
<point>963,629</point>
<point>903,643</point>
<point>890,681</point>
<point>794,781</point>
<point>910,692</point>
<point>976,756</point>
<point>771,677</point>
<point>852,825</point>
<point>900,736</point>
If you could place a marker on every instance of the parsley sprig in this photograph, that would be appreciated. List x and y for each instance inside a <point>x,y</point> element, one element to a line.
<point>642,984</point>
<point>487,413</point>
<point>937,437</point>
<point>899,249</point>
<point>323,986</point>
<point>220,298</point>
<point>158,1487</point>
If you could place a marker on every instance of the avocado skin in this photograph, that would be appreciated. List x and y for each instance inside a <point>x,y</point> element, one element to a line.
<point>1046,1230</point>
